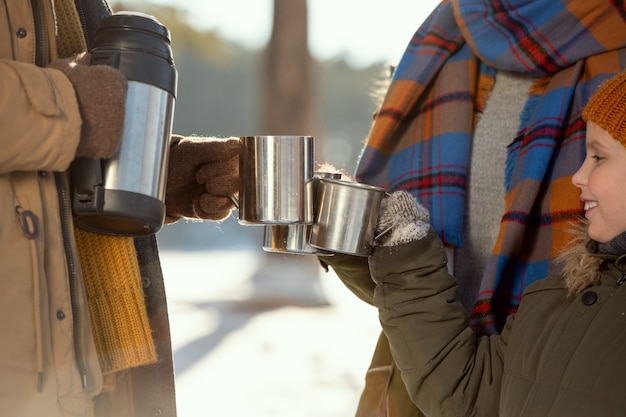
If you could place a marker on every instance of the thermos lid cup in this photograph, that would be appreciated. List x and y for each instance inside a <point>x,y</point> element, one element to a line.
<point>139,46</point>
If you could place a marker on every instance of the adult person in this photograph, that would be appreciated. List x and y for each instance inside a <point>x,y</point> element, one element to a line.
<point>561,353</point>
<point>85,328</point>
<point>482,124</point>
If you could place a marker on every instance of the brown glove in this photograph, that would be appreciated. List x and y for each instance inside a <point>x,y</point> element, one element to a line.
<point>203,175</point>
<point>101,94</point>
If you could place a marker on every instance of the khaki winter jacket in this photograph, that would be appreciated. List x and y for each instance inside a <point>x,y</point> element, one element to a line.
<point>48,362</point>
<point>46,336</point>
<point>555,357</point>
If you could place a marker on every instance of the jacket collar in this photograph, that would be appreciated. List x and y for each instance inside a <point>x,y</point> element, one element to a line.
<point>619,260</point>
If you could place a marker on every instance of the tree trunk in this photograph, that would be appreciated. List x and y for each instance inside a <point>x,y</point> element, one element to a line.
<point>288,103</point>
<point>288,96</point>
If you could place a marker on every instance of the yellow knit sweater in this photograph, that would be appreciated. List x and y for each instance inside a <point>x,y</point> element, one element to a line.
<point>109,264</point>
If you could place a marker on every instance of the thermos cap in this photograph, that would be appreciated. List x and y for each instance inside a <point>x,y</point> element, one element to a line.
<point>139,46</point>
<point>134,21</point>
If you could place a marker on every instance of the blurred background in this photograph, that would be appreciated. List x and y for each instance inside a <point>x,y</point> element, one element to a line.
<point>258,333</point>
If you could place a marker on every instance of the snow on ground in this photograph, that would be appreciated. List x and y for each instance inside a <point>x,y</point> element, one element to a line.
<point>257,334</point>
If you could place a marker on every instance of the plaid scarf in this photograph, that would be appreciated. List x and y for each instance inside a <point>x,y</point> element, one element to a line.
<point>420,139</point>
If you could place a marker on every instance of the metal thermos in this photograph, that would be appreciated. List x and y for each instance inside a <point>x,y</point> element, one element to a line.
<point>125,194</point>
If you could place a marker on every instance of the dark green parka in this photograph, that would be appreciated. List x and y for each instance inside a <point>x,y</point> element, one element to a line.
<point>557,356</point>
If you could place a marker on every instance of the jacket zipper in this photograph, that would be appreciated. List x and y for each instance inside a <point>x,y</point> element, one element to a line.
<point>41,52</point>
<point>28,220</point>
<point>65,212</point>
<point>90,13</point>
<point>83,22</point>
<point>41,59</point>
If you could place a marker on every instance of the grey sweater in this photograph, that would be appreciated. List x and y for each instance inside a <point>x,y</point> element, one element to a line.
<point>496,128</point>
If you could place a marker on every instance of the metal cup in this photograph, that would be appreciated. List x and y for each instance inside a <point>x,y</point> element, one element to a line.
<point>276,175</point>
<point>294,238</point>
<point>288,239</point>
<point>346,216</point>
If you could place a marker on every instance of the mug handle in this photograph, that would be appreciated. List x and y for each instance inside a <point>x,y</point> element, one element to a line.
<point>387,230</point>
<point>235,201</point>
<point>381,234</point>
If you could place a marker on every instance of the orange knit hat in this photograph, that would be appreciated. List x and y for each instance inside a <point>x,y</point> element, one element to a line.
<point>607,107</point>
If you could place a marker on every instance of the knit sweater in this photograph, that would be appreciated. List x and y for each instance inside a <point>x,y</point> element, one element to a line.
<point>495,129</point>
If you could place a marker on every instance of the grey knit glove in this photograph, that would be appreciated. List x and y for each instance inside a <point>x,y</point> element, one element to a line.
<point>401,220</point>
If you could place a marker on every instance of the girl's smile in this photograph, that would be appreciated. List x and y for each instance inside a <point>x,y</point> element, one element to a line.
<point>601,179</point>
<point>589,205</point>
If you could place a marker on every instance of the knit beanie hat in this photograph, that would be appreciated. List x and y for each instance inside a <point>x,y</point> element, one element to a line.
<point>607,107</point>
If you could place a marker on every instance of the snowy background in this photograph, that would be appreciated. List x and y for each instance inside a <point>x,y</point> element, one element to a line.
<point>265,336</point>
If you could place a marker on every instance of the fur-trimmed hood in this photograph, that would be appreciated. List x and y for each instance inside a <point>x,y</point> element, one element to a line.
<point>582,262</point>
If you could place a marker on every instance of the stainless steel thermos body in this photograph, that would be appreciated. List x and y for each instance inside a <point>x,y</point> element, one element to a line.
<point>140,164</point>
<point>125,194</point>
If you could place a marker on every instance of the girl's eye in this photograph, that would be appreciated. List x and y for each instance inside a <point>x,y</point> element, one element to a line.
<point>597,158</point>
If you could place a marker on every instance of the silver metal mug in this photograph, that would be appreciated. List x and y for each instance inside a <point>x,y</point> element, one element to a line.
<point>276,175</point>
<point>294,238</point>
<point>288,239</point>
<point>347,213</point>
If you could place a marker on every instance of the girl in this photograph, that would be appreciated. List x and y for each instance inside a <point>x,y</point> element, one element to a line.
<point>562,353</point>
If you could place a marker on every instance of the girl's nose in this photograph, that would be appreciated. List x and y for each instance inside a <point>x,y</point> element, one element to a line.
<point>579,179</point>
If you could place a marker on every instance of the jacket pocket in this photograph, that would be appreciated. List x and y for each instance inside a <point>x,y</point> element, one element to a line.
<point>385,394</point>
<point>21,354</point>
<point>374,398</point>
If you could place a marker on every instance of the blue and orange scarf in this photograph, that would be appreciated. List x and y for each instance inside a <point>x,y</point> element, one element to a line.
<point>420,139</point>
